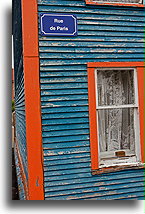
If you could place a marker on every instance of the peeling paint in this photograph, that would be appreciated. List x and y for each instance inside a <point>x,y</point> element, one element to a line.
<point>37,182</point>
<point>50,105</point>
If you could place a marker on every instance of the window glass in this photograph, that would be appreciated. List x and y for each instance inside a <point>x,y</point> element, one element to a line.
<point>116,129</point>
<point>115,87</point>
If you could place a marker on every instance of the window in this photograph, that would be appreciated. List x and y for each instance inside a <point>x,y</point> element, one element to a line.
<point>138,3</point>
<point>116,111</point>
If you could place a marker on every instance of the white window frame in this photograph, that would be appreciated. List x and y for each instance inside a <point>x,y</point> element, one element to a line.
<point>107,159</point>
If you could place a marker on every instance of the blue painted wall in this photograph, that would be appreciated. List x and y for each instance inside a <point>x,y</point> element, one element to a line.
<point>105,33</point>
<point>19,90</point>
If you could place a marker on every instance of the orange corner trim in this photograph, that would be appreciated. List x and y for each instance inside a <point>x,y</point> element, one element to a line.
<point>93,119</point>
<point>140,74</point>
<point>32,99</point>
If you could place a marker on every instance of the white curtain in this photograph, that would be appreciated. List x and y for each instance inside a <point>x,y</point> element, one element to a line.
<point>116,126</point>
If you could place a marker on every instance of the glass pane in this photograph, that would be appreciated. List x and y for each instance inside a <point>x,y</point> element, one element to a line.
<point>115,87</point>
<point>116,129</point>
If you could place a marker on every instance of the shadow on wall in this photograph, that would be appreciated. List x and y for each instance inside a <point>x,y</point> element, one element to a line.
<point>15,193</point>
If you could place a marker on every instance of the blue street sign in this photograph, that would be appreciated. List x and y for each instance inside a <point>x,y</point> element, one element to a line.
<point>58,25</point>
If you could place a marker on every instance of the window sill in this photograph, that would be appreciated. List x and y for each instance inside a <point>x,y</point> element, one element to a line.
<point>116,169</point>
<point>91,2</point>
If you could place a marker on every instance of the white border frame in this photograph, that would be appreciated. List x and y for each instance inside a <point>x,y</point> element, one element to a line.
<point>59,34</point>
<point>131,158</point>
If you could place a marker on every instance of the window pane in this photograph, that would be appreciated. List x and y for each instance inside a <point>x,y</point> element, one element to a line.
<point>116,129</point>
<point>115,87</point>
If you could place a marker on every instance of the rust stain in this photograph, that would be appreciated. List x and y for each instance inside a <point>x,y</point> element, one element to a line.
<point>102,188</point>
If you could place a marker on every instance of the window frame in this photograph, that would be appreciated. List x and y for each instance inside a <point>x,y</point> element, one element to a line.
<point>93,2</point>
<point>94,145</point>
<point>135,106</point>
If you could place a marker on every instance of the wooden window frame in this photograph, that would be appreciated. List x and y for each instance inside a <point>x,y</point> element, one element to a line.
<point>92,66</point>
<point>92,2</point>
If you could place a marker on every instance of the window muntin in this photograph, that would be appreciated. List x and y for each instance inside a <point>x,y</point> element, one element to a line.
<point>117,113</point>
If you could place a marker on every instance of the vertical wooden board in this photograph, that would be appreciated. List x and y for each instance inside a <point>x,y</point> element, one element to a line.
<point>93,118</point>
<point>140,74</point>
<point>32,99</point>
<point>33,128</point>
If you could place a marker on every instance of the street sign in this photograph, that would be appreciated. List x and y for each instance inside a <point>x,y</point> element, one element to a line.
<point>58,25</point>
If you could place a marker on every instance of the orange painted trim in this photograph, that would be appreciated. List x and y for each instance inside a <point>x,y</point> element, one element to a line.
<point>92,104</point>
<point>92,2</point>
<point>93,119</point>
<point>32,99</point>
<point>114,64</point>
<point>30,27</point>
<point>22,173</point>
<point>140,75</point>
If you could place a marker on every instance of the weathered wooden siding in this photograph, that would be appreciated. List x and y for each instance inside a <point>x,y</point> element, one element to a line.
<point>21,189</point>
<point>104,34</point>
<point>19,84</point>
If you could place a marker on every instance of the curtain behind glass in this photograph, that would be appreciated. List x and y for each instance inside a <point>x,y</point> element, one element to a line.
<point>116,126</point>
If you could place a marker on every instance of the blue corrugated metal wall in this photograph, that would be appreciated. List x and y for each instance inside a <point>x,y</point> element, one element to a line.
<point>105,33</point>
<point>19,83</point>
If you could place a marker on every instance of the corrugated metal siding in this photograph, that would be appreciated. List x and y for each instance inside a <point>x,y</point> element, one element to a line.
<point>104,34</point>
<point>19,83</point>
